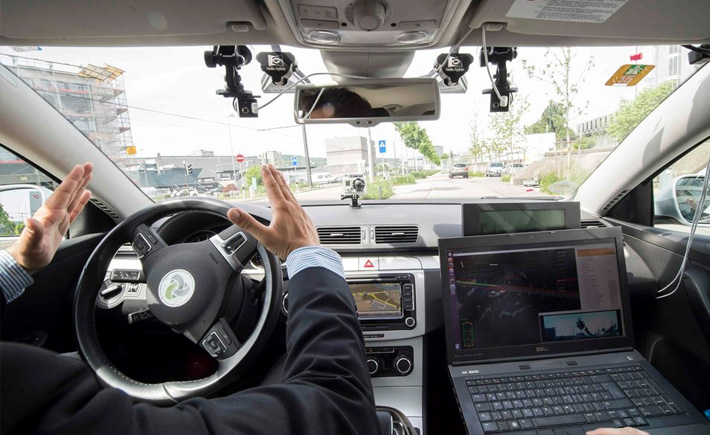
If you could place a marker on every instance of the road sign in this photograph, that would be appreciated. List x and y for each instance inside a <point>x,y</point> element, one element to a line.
<point>239,158</point>
<point>383,146</point>
<point>130,150</point>
<point>294,161</point>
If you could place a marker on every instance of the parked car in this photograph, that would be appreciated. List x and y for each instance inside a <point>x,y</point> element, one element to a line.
<point>495,169</point>
<point>458,170</point>
<point>515,168</point>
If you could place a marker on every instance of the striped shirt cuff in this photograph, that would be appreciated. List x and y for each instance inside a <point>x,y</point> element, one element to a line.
<point>13,278</point>
<point>314,256</point>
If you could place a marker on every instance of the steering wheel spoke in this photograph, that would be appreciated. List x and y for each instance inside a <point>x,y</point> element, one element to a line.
<point>236,246</point>
<point>219,341</point>
<point>146,242</point>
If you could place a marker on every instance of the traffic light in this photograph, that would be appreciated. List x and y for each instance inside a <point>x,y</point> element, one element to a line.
<point>188,168</point>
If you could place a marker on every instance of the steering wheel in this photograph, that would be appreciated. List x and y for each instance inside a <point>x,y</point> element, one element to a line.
<point>192,288</point>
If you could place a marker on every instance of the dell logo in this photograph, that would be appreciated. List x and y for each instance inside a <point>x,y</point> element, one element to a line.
<point>542,349</point>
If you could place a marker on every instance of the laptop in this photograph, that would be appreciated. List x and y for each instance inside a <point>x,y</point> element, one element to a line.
<point>540,341</point>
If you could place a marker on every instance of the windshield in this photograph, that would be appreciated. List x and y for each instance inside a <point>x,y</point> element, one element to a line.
<point>155,113</point>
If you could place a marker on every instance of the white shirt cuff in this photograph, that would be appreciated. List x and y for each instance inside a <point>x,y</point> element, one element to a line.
<point>13,278</point>
<point>314,256</point>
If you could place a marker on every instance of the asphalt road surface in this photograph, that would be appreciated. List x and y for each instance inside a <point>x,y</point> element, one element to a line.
<point>438,186</point>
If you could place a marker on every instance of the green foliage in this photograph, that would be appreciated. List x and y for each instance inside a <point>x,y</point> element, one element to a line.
<point>584,142</point>
<point>476,174</point>
<point>507,131</point>
<point>6,225</point>
<point>416,137</point>
<point>423,174</point>
<point>379,189</point>
<point>253,172</point>
<point>565,75</point>
<point>403,179</point>
<point>548,179</point>
<point>505,178</point>
<point>631,113</point>
<point>19,228</point>
<point>552,120</point>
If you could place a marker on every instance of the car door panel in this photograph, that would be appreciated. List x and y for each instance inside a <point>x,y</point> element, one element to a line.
<point>42,316</point>
<point>674,332</point>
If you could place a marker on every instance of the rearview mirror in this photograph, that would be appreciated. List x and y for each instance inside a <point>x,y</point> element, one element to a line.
<point>680,199</point>
<point>368,102</point>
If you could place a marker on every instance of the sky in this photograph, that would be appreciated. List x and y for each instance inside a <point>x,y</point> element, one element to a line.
<point>175,80</point>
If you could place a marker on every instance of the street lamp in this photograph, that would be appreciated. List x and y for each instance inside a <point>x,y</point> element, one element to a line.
<point>231,150</point>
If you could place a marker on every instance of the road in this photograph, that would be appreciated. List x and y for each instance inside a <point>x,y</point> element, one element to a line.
<point>438,186</point>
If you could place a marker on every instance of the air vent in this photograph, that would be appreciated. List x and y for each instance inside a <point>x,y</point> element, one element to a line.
<point>397,234</point>
<point>614,200</point>
<point>104,208</point>
<point>340,235</point>
<point>593,223</point>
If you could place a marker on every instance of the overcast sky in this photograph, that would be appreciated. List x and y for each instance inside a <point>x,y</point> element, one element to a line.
<point>176,81</point>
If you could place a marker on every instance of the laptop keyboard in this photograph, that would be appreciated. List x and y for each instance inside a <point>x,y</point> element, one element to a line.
<point>615,397</point>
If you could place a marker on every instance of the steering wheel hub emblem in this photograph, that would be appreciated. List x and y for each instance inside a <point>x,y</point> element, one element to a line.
<point>176,288</point>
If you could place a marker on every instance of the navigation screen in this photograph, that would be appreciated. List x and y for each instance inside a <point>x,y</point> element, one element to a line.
<point>518,221</point>
<point>378,300</point>
<point>520,297</point>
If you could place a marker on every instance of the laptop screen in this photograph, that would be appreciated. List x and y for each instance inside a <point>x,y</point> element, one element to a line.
<point>547,295</point>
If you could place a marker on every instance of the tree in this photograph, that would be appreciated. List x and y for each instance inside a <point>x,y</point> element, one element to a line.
<point>478,147</point>
<point>507,130</point>
<point>559,71</point>
<point>253,172</point>
<point>551,120</point>
<point>631,113</point>
<point>5,222</point>
<point>416,137</point>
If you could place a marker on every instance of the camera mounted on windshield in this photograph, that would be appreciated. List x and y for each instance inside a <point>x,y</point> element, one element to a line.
<point>233,57</point>
<point>278,65</point>
<point>499,56</point>
<point>353,186</point>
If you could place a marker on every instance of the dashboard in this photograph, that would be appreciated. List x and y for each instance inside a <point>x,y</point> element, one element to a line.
<point>391,262</point>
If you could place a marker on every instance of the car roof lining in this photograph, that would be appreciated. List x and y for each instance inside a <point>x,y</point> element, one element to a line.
<point>171,23</point>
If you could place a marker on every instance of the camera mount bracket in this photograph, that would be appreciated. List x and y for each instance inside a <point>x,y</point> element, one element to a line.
<point>233,57</point>
<point>499,56</point>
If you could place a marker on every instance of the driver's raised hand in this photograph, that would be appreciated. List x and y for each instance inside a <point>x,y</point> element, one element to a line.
<point>44,231</point>
<point>290,228</point>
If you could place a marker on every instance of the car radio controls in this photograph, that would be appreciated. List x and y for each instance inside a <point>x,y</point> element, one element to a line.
<point>403,364</point>
<point>410,322</point>
<point>389,361</point>
<point>373,365</point>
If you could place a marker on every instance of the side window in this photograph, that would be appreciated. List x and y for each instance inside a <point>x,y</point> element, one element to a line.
<point>23,189</point>
<point>677,190</point>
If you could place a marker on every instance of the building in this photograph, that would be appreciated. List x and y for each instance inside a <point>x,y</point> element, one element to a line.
<point>347,155</point>
<point>93,98</point>
<point>594,126</point>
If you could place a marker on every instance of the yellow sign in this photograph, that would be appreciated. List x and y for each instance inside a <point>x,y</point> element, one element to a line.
<point>629,75</point>
<point>131,151</point>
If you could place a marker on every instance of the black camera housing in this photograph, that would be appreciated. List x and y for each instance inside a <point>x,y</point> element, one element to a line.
<point>233,57</point>
<point>499,56</point>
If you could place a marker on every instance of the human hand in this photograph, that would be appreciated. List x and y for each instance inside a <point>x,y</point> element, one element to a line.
<point>622,431</point>
<point>291,228</point>
<point>44,231</point>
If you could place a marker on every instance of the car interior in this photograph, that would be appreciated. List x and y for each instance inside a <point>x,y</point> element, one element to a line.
<point>94,300</point>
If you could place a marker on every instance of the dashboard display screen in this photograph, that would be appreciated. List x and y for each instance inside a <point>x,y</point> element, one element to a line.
<point>518,221</point>
<point>374,301</point>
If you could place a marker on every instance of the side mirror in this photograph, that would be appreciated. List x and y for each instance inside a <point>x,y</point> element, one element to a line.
<point>679,200</point>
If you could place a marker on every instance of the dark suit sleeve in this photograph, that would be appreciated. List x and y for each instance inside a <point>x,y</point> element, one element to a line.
<point>325,390</point>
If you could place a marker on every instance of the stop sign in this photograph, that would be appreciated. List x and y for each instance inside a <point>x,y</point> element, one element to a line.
<point>239,158</point>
